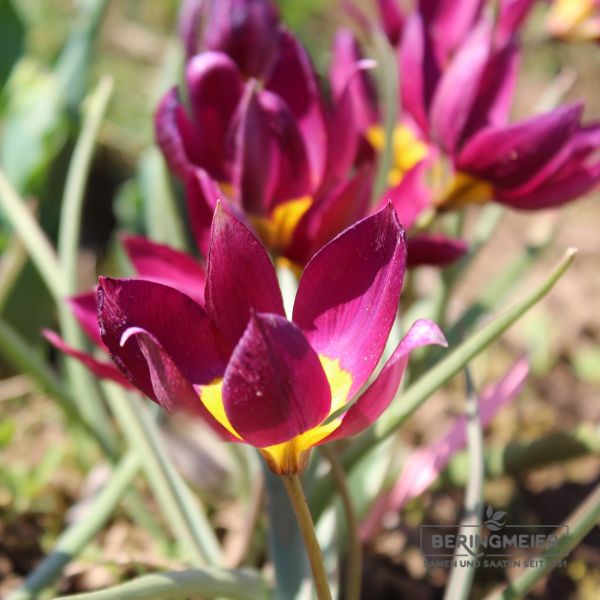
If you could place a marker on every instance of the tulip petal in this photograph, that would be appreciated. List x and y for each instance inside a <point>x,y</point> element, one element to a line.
<point>202,193</point>
<point>346,75</point>
<point>215,90</point>
<point>274,388</point>
<point>247,30</point>
<point>378,396</point>
<point>240,277</point>
<point>170,120</point>
<point>458,88</point>
<point>103,370</point>
<point>436,250</point>
<point>188,24</point>
<point>172,389</point>
<point>510,156</point>
<point>416,57</point>
<point>84,308</point>
<point>411,196</point>
<point>512,14</point>
<point>294,80</point>
<point>560,189</point>
<point>345,204</point>
<point>449,22</point>
<point>496,91</point>
<point>392,19</point>
<point>291,160</point>
<point>163,264</point>
<point>179,325</point>
<point>348,294</point>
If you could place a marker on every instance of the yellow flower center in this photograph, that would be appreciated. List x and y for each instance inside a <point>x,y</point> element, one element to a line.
<point>278,228</point>
<point>407,150</point>
<point>291,456</point>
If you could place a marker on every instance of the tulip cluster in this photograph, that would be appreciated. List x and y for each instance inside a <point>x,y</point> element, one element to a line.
<point>274,168</point>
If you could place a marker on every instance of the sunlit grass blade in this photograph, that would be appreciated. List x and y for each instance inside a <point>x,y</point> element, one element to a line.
<point>77,536</point>
<point>188,523</point>
<point>73,65</point>
<point>580,523</point>
<point>388,85</point>
<point>179,585</point>
<point>163,222</point>
<point>517,458</point>
<point>72,202</point>
<point>435,378</point>
<point>39,248</point>
<point>12,261</point>
<point>461,577</point>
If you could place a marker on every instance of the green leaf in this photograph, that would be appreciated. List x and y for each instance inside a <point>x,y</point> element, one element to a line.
<point>196,583</point>
<point>12,36</point>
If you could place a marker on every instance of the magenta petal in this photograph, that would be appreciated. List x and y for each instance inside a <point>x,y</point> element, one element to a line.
<point>377,397</point>
<point>103,370</point>
<point>290,164</point>
<point>348,294</point>
<point>343,205</point>
<point>347,76</point>
<point>449,22</point>
<point>254,173</point>
<point>559,189</point>
<point>512,14</point>
<point>392,19</point>
<point>240,279</point>
<point>436,250</point>
<point>294,80</point>
<point>247,30</point>
<point>274,387</point>
<point>411,196</point>
<point>169,120</point>
<point>215,88</point>
<point>84,309</point>
<point>180,326</point>
<point>510,156</point>
<point>495,95</point>
<point>188,24</point>
<point>172,389</point>
<point>417,58</point>
<point>163,264</point>
<point>457,90</point>
<point>202,193</point>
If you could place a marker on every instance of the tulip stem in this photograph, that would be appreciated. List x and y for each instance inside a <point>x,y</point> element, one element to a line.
<point>354,566</point>
<point>305,522</point>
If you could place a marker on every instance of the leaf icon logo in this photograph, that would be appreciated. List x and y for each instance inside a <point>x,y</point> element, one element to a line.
<point>493,519</point>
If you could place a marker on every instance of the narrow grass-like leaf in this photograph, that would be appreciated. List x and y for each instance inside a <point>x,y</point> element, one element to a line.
<point>388,87</point>
<point>580,523</point>
<point>188,523</point>
<point>163,222</point>
<point>519,457</point>
<point>39,248</point>
<point>179,585</point>
<point>435,378</point>
<point>72,202</point>
<point>461,577</point>
<point>77,536</point>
